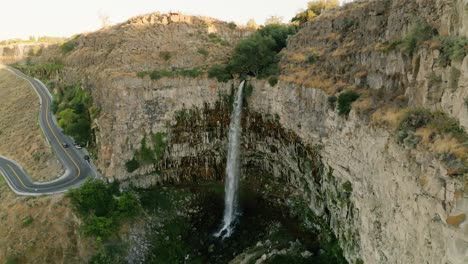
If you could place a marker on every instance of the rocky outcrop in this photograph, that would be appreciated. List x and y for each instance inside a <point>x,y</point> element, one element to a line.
<point>361,45</point>
<point>20,52</point>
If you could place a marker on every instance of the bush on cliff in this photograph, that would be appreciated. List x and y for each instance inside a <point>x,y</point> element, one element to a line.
<point>419,31</point>
<point>314,8</point>
<point>258,55</point>
<point>148,154</point>
<point>452,49</point>
<point>103,207</point>
<point>220,72</point>
<point>344,102</point>
<point>443,135</point>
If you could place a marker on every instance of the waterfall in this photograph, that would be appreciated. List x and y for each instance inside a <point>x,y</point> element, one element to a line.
<point>232,167</point>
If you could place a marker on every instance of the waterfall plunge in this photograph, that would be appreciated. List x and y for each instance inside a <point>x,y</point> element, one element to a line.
<point>232,167</point>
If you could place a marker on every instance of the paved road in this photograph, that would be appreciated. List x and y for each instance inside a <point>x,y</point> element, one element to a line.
<point>77,169</point>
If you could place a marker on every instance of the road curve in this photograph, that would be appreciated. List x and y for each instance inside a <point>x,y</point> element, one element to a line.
<point>77,169</point>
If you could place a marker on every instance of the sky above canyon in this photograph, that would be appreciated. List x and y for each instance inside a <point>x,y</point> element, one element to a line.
<point>21,19</point>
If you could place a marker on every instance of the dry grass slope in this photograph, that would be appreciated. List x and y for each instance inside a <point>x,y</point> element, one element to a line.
<point>21,138</point>
<point>33,229</point>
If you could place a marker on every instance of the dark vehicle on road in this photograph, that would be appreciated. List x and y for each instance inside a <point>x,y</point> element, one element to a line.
<point>86,157</point>
<point>65,145</point>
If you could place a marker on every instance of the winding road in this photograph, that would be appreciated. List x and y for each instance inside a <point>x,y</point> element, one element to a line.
<point>77,168</point>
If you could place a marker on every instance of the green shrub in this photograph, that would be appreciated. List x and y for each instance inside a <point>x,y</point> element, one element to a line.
<point>312,58</point>
<point>419,31</point>
<point>99,226</point>
<point>132,165</point>
<point>27,221</point>
<point>273,80</point>
<point>142,74</point>
<point>452,49</point>
<point>216,39</point>
<point>68,46</point>
<point>44,71</point>
<point>348,187</point>
<point>148,154</point>
<point>344,102</point>
<point>232,25</point>
<point>195,72</point>
<point>103,207</point>
<point>145,154</point>
<point>12,260</point>
<point>248,90</point>
<point>93,197</point>
<point>158,74</point>
<point>220,72</point>
<point>166,55</point>
<point>159,144</point>
<point>128,206</point>
<point>71,106</point>
<point>203,52</point>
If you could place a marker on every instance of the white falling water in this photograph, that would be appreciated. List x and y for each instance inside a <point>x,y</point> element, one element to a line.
<point>232,167</point>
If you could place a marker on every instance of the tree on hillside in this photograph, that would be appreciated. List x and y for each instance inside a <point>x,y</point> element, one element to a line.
<point>252,24</point>
<point>258,55</point>
<point>314,8</point>
<point>274,20</point>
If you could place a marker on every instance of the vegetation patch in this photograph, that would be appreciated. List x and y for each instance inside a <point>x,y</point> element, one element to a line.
<point>103,207</point>
<point>441,133</point>
<point>232,25</point>
<point>314,9</point>
<point>69,46</point>
<point>203,52</point>
<point>148,154</point>
<point>158,74</point>
<point>313,58</point>
<point>344,102</point>
<point>257,55</point>
<point>44,71</point>
<point>452,48</point>
<point>217,40</point>
<point>419,31</point>
<point>273,80</point>
<point>27,221</point>
<point>74,109</point>
<point>221,72</point>
<point>165,55</point>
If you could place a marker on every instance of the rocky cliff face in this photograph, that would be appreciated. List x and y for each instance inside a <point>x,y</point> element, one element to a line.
<point>360,45</point>
<point>400,201</point>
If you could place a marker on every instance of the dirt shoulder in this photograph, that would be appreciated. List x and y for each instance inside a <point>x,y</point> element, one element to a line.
<point>21,138</point>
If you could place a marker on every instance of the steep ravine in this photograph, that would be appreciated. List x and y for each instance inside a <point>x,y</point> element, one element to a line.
<point>379,198</point>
